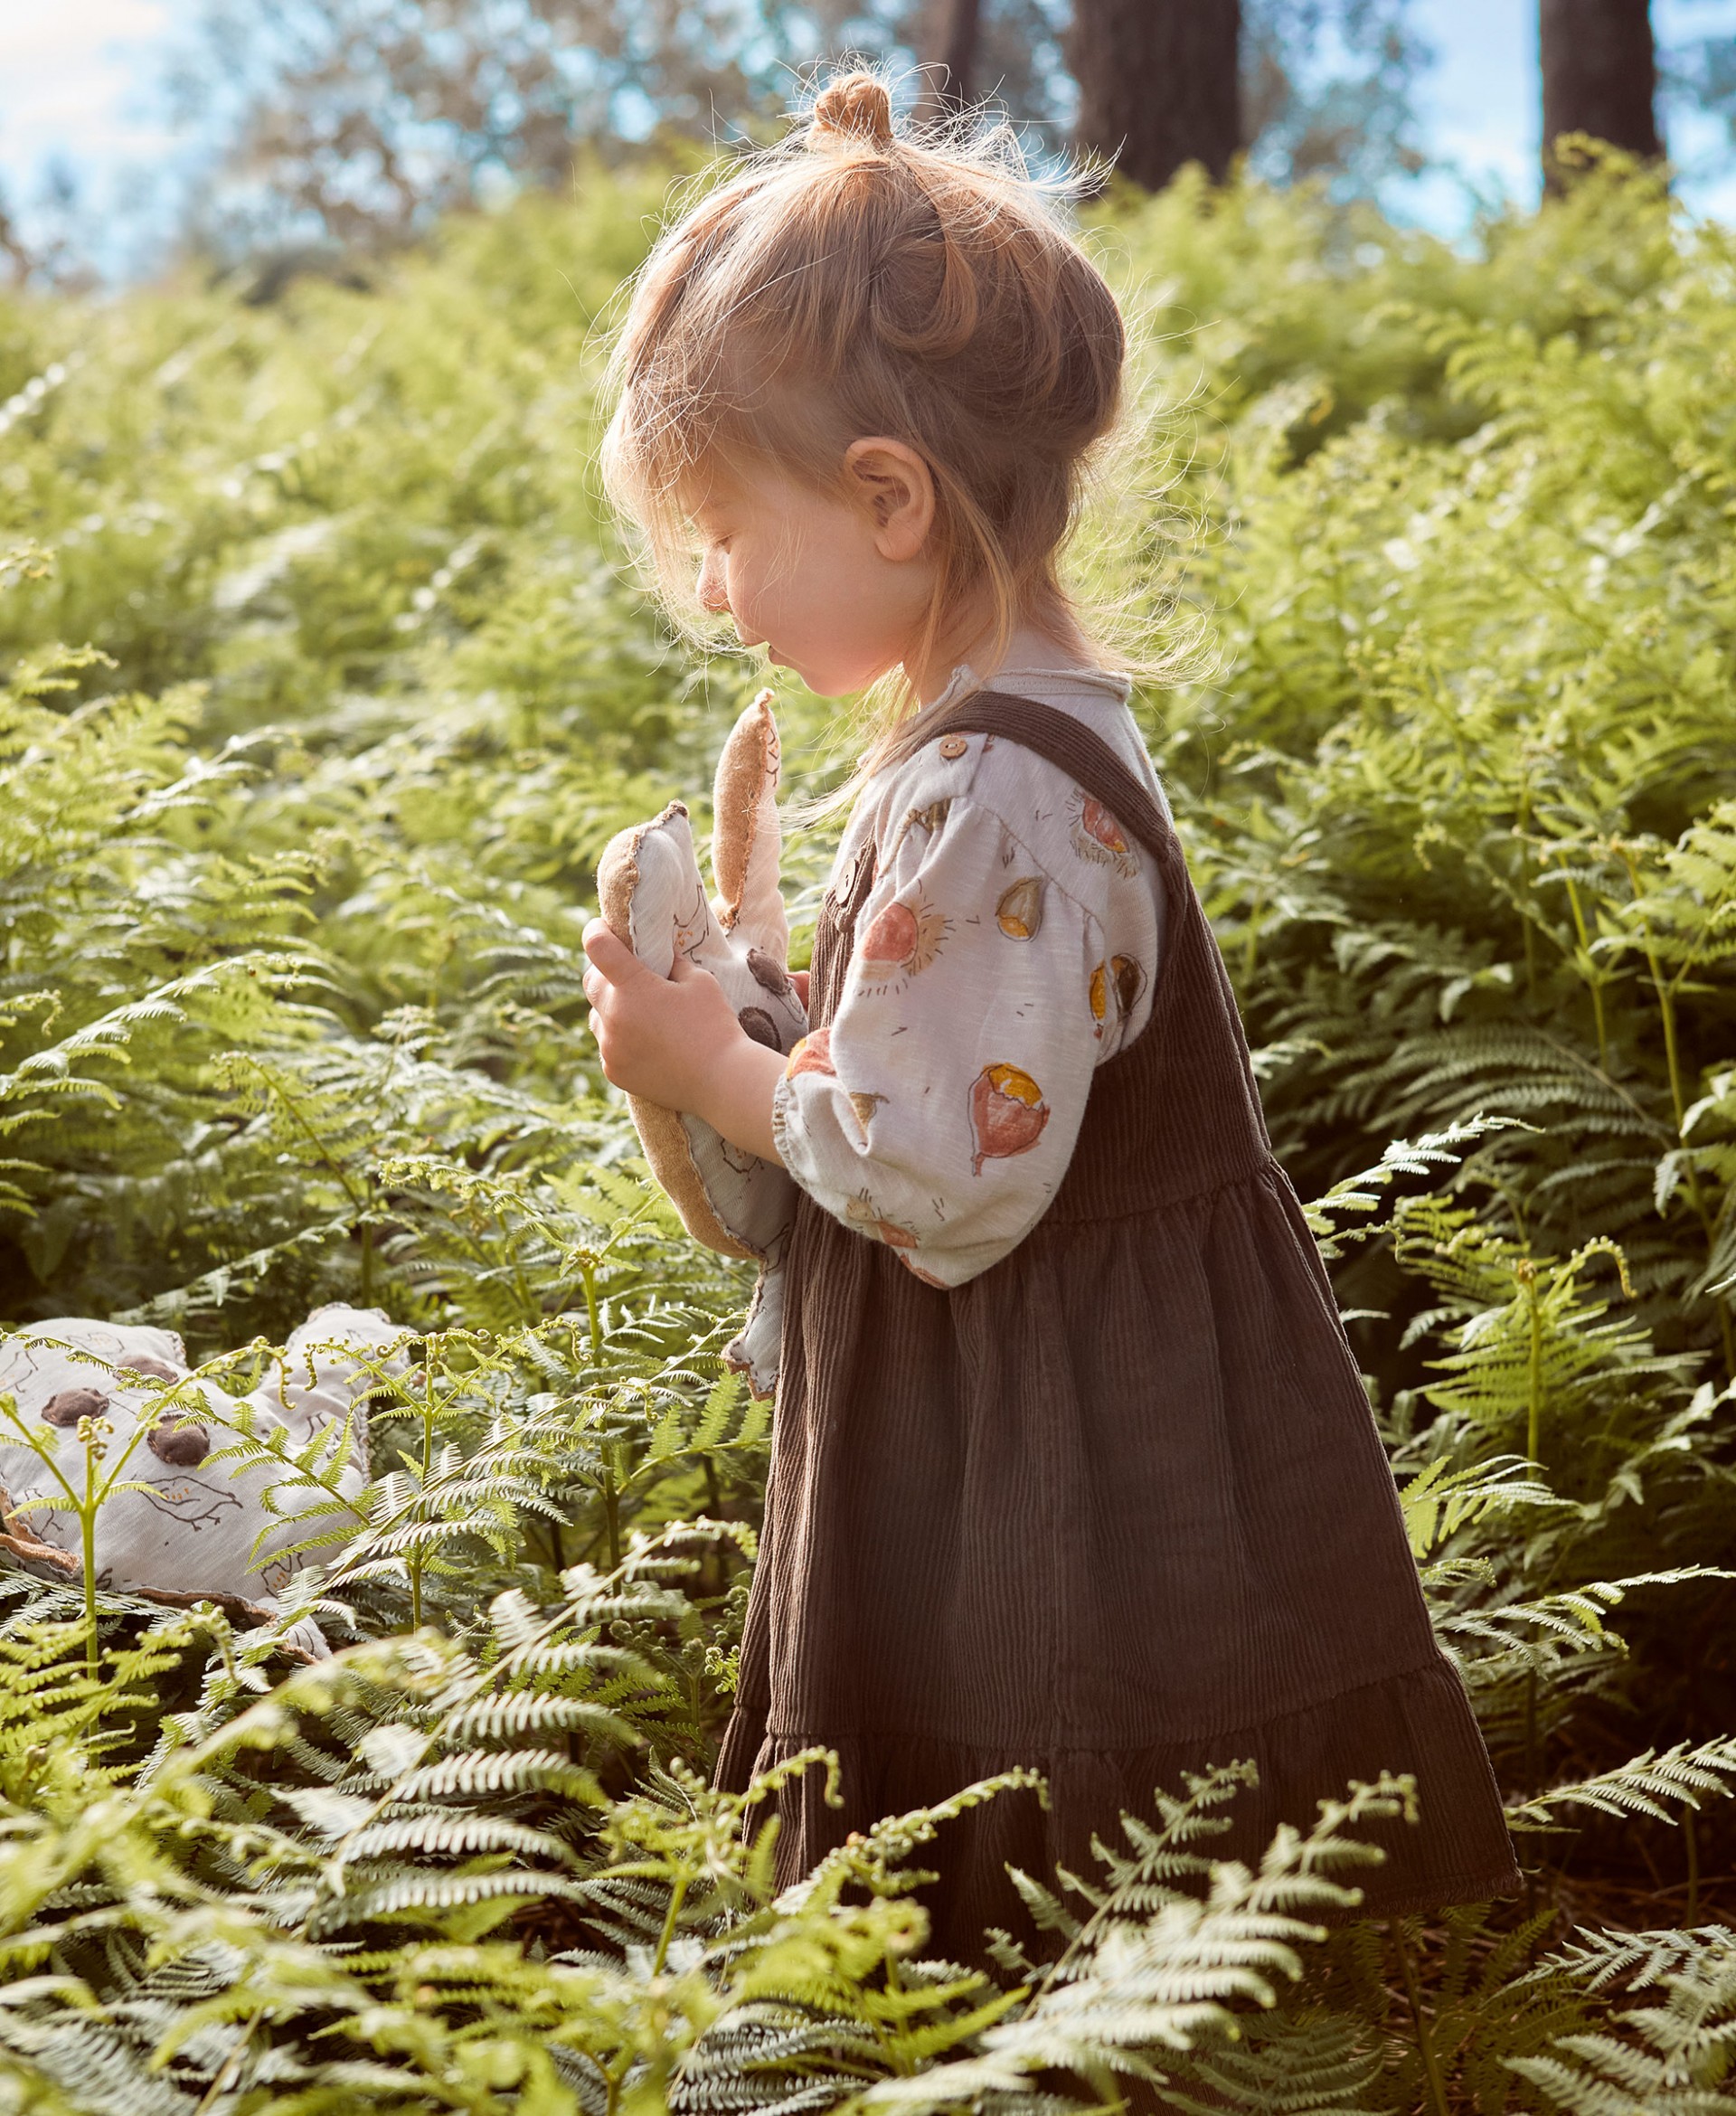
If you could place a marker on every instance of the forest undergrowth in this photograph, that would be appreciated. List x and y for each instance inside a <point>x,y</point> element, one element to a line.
<point>326,681</point>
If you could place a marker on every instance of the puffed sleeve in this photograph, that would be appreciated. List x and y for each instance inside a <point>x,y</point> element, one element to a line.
<point>939,1111</point>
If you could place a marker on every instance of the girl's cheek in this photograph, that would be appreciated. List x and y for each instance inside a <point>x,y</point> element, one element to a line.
<point>748,602</point>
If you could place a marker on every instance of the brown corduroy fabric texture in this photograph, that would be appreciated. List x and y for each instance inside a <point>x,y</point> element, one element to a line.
<point>1116,1508</point>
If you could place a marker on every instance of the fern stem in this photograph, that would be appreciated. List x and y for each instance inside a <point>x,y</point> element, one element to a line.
<point>1666,990</point>
<point>1665,998</point>
<point>530,1307</point>
<point>1708,1225</point>
<point>612,1512</point>
<point>611,1490</point>
<point>677,1896</point>
<point>587,1273</point>
<point>1591,979</point>
<point>1691,1842</point>
<point>1525,1271</point>
<point>323,1152</point>
<point>88,1543</point>
<point>1672,1055</point>
<point>427,1470</point>
<point>1109,2097</point>
<point>1522,827</point>
<point>231,2064</point>
<point>367,1247</point>
<point>1413,1993</point>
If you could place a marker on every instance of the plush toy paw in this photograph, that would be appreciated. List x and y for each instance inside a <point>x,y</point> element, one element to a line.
<point>175,1528</point>
<point>651,895</point>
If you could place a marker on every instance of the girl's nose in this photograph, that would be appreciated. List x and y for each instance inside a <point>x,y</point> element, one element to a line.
<point>713,594</point>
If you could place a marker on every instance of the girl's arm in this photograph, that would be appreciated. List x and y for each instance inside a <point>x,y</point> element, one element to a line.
<point>675,1041</point>
<point>995,967</point>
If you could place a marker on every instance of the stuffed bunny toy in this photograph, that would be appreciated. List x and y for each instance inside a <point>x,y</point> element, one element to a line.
<point>651,896</point>
<point>186,1532</point>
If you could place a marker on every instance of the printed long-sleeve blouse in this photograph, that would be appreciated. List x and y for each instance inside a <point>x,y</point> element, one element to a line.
<point>1007,948</point>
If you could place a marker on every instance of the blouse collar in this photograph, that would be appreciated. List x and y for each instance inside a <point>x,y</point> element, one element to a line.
<point>1033,682</point>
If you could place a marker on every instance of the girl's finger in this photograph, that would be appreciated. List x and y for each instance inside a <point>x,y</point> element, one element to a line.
<point>612,956</point>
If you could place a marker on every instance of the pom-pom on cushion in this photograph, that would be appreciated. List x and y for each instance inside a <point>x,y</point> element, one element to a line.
<point>651,895</point>
<point>178,1524</point>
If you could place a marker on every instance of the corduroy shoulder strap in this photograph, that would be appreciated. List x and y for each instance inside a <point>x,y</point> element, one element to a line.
<point>1065,743</point>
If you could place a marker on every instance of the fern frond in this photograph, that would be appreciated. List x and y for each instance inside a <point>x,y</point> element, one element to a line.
<point>1657,1784</point>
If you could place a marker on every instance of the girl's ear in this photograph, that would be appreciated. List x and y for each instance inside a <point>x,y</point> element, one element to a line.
<point>896,487</point>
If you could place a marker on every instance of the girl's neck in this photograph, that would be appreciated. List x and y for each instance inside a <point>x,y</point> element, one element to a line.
<point>1026,648</point>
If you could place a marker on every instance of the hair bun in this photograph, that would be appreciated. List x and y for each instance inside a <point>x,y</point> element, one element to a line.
<point>855,106</point>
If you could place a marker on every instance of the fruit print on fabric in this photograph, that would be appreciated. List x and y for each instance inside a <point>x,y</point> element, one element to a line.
<point>1008,1114</point>
<point>1019,912</point>
<point>930,816</point>
<point>973,899</point>
<point>865,1215</point>
<point>862,1108</point>
<point>917,1271</point>
<point>903,940</point>
<point>1096,836</point>
<point>1121,977</point>
<point>812,1055</point>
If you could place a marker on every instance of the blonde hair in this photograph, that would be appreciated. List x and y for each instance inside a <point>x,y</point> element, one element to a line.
<point>862,279</point>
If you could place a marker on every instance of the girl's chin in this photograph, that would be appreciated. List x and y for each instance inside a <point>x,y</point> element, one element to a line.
<point>831,683</point>
<point>818,680</point>
<point>824,682</point>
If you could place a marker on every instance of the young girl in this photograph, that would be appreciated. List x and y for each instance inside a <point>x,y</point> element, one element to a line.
<point>1072,1467</point>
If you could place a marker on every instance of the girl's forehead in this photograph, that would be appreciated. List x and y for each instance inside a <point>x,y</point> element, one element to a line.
<point>707,488</point>
<point>718,487</point>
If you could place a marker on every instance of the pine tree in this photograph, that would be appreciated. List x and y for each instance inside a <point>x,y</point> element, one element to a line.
<point>1600,67</point>
<point>1158,84</point>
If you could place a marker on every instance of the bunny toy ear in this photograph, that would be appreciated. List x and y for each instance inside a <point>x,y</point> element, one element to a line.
<point>746,840</point>
<point>642,880</point>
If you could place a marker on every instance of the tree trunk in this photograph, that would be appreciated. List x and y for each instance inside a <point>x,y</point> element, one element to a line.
<point>1157,84</point>
<point>1600,75</point>
<point>953,72</point>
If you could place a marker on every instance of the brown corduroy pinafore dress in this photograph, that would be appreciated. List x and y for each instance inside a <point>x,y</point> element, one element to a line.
<point>1116,1508</point>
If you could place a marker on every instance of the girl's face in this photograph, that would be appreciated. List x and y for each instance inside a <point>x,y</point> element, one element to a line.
<point>836,586</point>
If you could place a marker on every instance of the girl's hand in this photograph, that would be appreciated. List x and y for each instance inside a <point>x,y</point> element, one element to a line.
<point>675,1041</point>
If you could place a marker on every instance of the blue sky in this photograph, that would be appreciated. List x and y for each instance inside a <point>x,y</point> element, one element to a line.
<point>80,83</point>
<point>1484,103</point>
